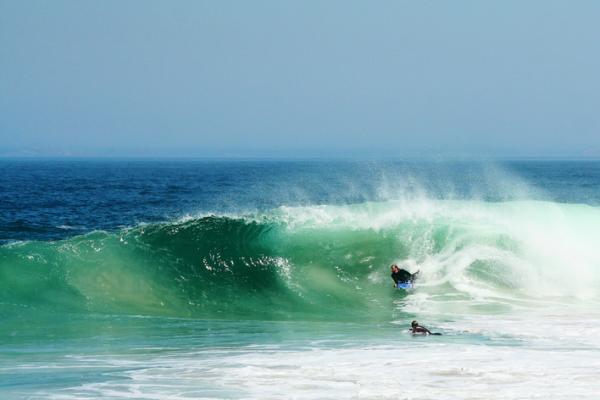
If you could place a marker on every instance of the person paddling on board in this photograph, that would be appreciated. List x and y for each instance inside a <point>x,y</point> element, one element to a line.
<point>417,329</point>
<point>401,275</point>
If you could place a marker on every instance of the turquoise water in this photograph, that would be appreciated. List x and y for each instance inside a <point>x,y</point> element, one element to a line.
<point>101,356</point>
<point>293,299</point>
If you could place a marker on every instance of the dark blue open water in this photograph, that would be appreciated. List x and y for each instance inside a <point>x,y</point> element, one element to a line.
<point>48,200</point>
<point>270,279</point>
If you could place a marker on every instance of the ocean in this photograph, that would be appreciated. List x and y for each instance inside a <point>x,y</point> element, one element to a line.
<point>220,279</point>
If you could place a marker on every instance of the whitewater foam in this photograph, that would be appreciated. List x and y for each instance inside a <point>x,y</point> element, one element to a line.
<point>491,256</point>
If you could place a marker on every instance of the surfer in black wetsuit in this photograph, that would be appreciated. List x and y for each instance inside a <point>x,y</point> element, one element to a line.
<point>401,275</point>
<point>416,328</point>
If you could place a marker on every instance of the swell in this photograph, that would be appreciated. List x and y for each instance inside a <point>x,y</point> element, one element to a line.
<point>320,262</point>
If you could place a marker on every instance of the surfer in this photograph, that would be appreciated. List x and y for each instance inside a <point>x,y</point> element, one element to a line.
<point>401,275</point>
<point>417,329</point>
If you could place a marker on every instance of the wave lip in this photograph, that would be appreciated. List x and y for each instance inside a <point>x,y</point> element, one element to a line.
<point>317,262</point>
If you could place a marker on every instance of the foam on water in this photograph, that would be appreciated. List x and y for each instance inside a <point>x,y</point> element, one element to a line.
<point>292,262</point>
<point>448,367</point>
<point>514,286</point>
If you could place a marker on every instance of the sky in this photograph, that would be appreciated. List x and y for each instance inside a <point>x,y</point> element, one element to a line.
<point>300,78</point>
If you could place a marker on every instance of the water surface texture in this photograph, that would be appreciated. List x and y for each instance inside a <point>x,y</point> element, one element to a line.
<point>270,279</point>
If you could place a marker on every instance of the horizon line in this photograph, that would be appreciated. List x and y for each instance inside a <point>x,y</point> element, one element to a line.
<point>321,157</point>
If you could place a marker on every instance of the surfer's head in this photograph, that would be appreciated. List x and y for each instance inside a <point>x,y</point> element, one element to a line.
<point>414,324</point>
<point>394,268</point>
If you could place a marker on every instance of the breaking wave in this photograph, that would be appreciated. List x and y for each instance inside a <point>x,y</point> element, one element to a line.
<point>317,262</point>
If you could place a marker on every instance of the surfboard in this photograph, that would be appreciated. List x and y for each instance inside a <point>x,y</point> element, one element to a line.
<point>405,285</point>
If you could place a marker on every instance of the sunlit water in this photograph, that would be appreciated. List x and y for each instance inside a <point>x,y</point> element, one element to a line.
<point>270,280</point>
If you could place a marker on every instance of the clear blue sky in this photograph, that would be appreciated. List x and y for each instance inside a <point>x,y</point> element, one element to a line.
<point>282,78</point>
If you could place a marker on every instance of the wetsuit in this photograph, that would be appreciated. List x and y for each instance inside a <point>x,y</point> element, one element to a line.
<point>420,330</point>
<point>402,276</point>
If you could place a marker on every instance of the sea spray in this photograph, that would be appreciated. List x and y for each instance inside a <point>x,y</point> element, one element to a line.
<point>318,262</point>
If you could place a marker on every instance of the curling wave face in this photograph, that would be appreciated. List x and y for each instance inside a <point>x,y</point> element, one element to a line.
<point>317,262</point>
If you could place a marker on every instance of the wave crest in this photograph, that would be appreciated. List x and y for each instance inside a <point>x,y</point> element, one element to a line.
<point>315,262</point>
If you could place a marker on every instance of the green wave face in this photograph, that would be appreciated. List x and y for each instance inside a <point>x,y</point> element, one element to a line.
<point>322,262</point>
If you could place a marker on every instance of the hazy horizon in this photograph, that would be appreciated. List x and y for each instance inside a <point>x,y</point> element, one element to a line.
<point>341,79</point>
